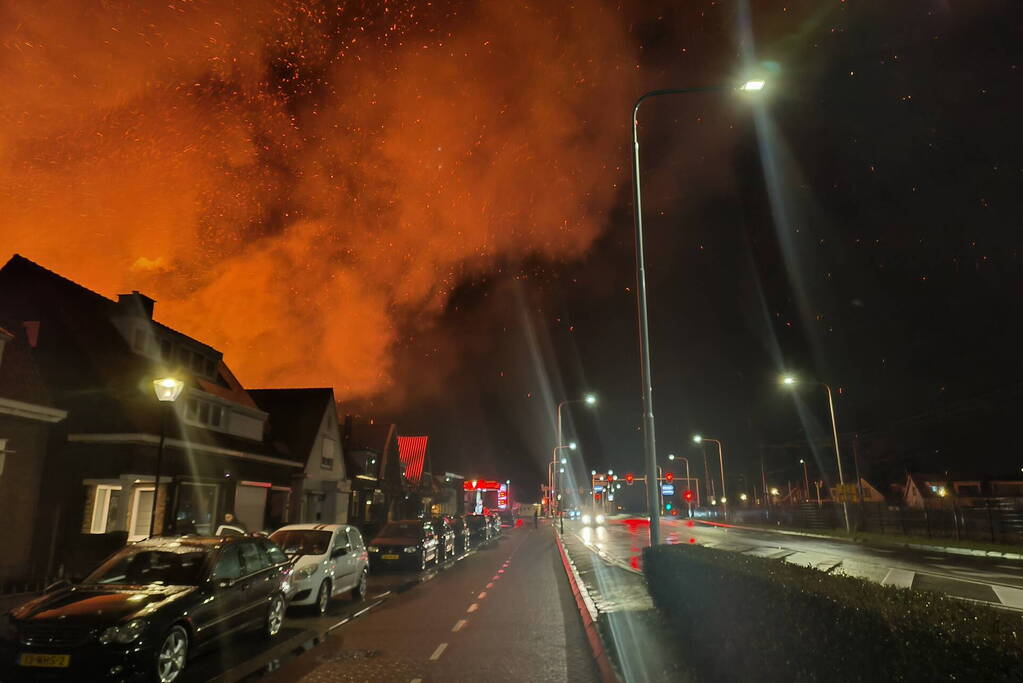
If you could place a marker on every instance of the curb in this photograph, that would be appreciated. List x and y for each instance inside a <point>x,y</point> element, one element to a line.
<point>951,550</point>
<point>588,612</point>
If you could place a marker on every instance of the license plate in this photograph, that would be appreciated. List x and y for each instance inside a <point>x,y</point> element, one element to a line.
<point>389,557</point>
<point>49,661</point>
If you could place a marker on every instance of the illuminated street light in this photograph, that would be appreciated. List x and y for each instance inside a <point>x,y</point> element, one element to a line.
<point>573,445</point>
<point>774,491</point>
<point>721,462</point>
<point>590,399</point>
<point>671,456</point>
<point>564,461</point>
<point>649,439</point>
<point>167,390</point>
<point>593,473</point>
<point>697,438</point>
<point>743,497</point>
<point>753,86</point>
<point>790,381</point>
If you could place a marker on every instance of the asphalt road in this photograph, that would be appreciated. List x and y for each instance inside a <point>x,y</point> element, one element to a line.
<point>502,613</point>
<point>986,579</point>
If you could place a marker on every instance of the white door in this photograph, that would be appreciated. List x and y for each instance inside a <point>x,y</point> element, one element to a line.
<point>141,513</point>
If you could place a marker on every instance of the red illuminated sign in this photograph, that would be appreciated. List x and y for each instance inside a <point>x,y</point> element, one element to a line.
<point>481,485</point>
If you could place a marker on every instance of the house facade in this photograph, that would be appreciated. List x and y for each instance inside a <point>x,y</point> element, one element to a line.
<point>98,358</point>
<point>304,426</point>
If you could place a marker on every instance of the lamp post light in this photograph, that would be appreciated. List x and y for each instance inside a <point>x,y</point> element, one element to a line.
<point>790,381</point>
<point>167,390</point>
<point>806,478</point>
<point>672,457</point>
<point>721,462</point>
<point>649,441</point>
<point>553,478</point>
<point>588,399</point>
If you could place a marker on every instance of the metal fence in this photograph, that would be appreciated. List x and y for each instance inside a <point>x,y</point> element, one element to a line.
<point>992,521</point>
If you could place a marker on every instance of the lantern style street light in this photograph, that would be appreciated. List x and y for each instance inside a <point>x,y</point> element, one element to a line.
<point>167,390</point>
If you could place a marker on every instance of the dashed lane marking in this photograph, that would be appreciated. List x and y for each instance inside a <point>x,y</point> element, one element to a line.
<point>458,625</point>
<point>482,595</point>
<point>416,680</point>
<point>438,652</point>
<point>490,585</point>
<point>1011,597</point>
<point>472,608</point>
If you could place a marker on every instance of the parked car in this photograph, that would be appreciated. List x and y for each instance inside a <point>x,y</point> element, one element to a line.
<point>480,530</point>
<point>445,537</point>
<point>146,610</point>
<point>495,525</point>
<point>410,544</point>
<point>330,559</point>
<point>506,518</point>
<point>461,534</point>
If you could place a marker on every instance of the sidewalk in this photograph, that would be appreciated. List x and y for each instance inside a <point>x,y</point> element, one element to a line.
<point>633,631</point>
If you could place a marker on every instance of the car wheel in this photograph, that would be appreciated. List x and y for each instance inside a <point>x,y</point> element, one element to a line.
<point>274,616</point>
<point>172,655</point>
<point>359,592</point>
<point>323,597</point>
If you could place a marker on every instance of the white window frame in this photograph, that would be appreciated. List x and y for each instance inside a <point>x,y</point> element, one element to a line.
<point>102,528</point>
<point>135,511</point>
<point>327,461</point>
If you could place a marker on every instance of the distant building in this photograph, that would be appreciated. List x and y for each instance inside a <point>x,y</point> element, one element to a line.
<point>303,424</point>
<point>374,468</point>
<point>97,359</point>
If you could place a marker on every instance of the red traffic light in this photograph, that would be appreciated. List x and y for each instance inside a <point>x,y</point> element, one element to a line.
<point>629,478</point>
<point>596,497</point>
<point>669,477</point>
<point>688,495</point>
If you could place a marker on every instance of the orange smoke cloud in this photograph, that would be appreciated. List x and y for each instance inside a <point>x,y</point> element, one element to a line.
<point>291,179</point>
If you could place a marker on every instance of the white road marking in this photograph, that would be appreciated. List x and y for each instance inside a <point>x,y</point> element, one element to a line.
<point>438,652</point>
<point>490,585</point>
<point>458,625</point>
<point>898,577</point>
<point>416,680</point>
<point>482,595</point>
<point>472,608</point>
<point>1011,597</point>
<point>338,624</point>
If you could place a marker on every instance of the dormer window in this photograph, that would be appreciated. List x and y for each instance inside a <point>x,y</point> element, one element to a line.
<point>204,412</point>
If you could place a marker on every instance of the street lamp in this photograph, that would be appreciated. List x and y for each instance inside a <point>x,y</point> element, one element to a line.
<point>649,441</point>
<point>806,478</point>
<point>791,381</point>
<point>721,461</point>
<point>167,390</point>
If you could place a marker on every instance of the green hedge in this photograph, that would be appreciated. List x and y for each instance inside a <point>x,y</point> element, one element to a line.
<point>743,618</point>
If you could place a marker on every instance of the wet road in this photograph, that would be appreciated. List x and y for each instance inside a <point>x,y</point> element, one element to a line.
<point>987,579</point>
<point>504,613</point>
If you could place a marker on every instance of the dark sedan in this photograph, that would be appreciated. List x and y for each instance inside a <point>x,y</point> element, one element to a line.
<point>479,529</point>
<point>146,610</point>
<point>445,537</point>
<point>461,534</point>
<point>408,544</point>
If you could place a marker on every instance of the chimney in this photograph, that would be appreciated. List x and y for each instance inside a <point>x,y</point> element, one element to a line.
<point>136,304</point>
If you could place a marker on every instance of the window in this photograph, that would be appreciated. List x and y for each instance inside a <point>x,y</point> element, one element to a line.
<point>105,508</point>
<point>141,511</point>
<point>229,564</point>
<point>211,368</point>
<point>252,560</point>
<point>327,455</point>
<point>355,538</point>
<point>275,555</point>
<point>204,412</point>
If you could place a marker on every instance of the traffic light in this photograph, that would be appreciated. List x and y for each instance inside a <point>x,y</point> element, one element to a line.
<point>629,478</point>
<point>596,497</point>
<point>667,506</point>
<point>688,495</point>
<point>669,477</point>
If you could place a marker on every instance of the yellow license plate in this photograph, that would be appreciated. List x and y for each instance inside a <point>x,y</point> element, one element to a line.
<point>389,557</point>
<point>50,661</point>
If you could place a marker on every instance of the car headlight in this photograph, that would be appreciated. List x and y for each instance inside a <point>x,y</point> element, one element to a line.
<point>586,519</point>
<point>412,548</point>
<point>125,633</point>
<point>373,549</point>
<point>600,519</point>
<point>304,573</point>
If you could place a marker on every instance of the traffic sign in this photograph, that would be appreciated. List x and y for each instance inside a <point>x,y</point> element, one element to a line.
<point>667,489</point>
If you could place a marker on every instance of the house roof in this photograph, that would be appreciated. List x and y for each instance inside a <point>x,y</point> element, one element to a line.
<point>295,416</point>
<point>88,365</point>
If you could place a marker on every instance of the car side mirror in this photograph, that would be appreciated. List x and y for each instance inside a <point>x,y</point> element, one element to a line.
<point>339,552</point>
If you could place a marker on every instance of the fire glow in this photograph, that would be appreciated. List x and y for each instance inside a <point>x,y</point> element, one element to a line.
<point>301,184</point>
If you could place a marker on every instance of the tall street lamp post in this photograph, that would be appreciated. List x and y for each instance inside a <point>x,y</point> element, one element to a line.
<point>649,441</point>
<point>721,461</point>
<point>554,467</point>
<point>167,390</point>
<point>673,457</point>
<point>806,478</point>
<point>588,399</point>
<point>790,382</point>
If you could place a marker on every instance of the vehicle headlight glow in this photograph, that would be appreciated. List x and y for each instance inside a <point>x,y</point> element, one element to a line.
<point>411,548</point>
<point>600,519</point>
<point>305,573</point>
<point>125,633</point>
<point>373,549</point>
<point>586,519</point>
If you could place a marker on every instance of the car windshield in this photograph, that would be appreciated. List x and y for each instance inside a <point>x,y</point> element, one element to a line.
<point>146,566</point>
<point>476,522</point>
<point>302,541</point>
<point>402,530</point>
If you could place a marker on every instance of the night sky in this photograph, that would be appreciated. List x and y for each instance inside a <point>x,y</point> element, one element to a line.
<point>428,207</point>
<point>887,264</point>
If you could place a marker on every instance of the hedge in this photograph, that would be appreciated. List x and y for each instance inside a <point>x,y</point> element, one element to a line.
<point>744,618</point>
